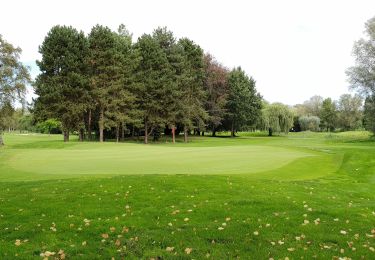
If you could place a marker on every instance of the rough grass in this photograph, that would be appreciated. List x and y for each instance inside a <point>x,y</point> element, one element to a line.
<point>305,195</point>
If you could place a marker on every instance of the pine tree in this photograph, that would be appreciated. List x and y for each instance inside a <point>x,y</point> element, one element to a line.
<point>107,76</point>
<point>244,103</point>
<point>62,85</point>
<point>192,113</point>
<point>152,73</point>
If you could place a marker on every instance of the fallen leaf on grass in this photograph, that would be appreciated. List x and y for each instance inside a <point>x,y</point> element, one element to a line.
<point>188,250</point>
<point>169,249</point>
<point>47,254</point>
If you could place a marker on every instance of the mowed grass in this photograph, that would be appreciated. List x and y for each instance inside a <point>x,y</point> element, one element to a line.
<point>304,195</point>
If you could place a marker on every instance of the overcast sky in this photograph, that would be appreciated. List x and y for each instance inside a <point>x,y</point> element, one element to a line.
<point>293,49</point>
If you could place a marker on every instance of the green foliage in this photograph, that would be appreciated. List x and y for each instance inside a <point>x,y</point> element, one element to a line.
<point>61,86</point>
<point>244,103</point>
<point>50,126</point>
<point>153,81</point>
<point>313,106</point>
<point>13,75</point>
<point>310,123</point>
<point>328,114</point>
<point>27,123</point>
<point>277,117</point>
<point>350,112</point>
<point>192,95</point>
<point>362,75</point>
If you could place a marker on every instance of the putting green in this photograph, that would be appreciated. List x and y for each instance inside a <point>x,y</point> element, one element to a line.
<point>125,158</point>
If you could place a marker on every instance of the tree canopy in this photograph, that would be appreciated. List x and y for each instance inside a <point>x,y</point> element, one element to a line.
<point>14,77</point>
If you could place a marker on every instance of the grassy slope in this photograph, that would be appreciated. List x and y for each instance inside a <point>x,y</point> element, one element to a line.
<point>303,177</point>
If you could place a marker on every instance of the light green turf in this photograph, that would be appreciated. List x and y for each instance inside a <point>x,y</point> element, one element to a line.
<point>301,196</point>
<point>38,156</point>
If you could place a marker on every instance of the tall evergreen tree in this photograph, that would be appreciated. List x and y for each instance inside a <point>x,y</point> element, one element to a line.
<point>62,85</point>
<point>107,62</point>
<point>167,43</point>
<point>192,95</point>
<point>244,103</point>
<point>153,73</point>
<point>122,106</point>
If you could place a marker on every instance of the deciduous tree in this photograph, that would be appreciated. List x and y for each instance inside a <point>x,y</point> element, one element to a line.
<point>14,77</point>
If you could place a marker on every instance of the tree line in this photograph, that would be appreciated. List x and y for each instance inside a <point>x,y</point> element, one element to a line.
<point>104,83</point>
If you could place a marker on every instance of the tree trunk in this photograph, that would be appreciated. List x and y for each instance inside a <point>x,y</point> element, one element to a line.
<point>81,135</point>
<point>232,130</point>
<point>117,133</point>
<point>101,125</point>
<point>146,133</point>
<point>270,131</point>
<point>66,135</point>
<point>214,132</point>
<point>202,133</point>
<point>173,134</point>
<point>122,132</point>
<point>185,134</point>
<point>1,139</point>
<point>89,126</point>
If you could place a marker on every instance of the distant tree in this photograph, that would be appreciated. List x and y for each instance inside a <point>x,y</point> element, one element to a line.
<point>62,84</point>
<point>244,103</point>
<point>27,123</point>
<point>7,112</point>
<point>216,87</point>
<point>310,123</point>
<point>49,126</point>
<point>277,117</point>
<point>313,106</point>
<point>14,77</point>
<point>362,75</point>
<point>369,113</point>
<point>350,113</point>
<point>328,114</point>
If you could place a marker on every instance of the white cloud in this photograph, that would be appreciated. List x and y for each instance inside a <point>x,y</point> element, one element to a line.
<point>294,49</point>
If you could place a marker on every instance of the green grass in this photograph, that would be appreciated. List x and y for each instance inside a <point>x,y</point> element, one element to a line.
<point>224,198</point>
